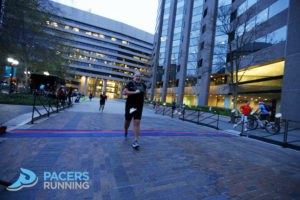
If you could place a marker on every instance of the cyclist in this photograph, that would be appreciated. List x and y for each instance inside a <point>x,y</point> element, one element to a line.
<point>264,113</point>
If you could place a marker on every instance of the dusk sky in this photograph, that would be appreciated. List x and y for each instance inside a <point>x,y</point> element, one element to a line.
<point>137,13</point>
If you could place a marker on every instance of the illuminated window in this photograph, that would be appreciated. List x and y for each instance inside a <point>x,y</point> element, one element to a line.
<point>101,36</point>
<point>113,39</point>
<point>163,39</point>
<point>95,34</point>
<point>88,33</point>
<point>76,29</point>
<point>67,27</point>
<point>124,42</point>
<point>54,24</point>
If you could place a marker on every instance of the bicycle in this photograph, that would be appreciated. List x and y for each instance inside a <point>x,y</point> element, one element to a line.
<point>272,127</point>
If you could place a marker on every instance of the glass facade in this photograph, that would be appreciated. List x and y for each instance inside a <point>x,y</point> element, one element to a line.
<point>262,22</point>
<point>163,43</point>
<point>191,73</point>
<point>221,38</point>
<point>176,43</point>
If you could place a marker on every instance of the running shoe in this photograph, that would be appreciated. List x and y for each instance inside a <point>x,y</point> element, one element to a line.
<point>135,144</point>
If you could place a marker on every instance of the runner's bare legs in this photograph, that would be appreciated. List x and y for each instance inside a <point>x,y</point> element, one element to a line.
<point>126,126</point>
<point>136,128</point>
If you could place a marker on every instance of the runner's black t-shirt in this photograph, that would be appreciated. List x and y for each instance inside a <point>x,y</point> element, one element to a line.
<point>135,100</point>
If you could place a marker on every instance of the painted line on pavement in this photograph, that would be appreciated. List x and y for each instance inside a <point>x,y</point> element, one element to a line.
<point>105,133</point>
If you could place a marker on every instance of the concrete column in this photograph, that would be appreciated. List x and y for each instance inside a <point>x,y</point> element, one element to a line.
<point>227,101</point>
<point>85,85</point>
<point>208,37</point>
<point>291,83</point>
<point>104,85</point>
<point>121,90</point>
<point>184,50</point>
<point>156,55</point>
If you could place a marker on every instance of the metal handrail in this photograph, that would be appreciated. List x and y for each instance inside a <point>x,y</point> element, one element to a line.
<point>46,102</point>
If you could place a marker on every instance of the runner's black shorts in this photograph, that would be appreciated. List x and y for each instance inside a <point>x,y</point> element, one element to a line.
<point>135,115</point>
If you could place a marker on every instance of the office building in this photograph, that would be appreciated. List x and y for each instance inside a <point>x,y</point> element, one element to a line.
<point>102,53</point>
<point>194,56</point>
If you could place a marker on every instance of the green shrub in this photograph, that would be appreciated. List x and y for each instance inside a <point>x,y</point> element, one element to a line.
<point>25,99</point>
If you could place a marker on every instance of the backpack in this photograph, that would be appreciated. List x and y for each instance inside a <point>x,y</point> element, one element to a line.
<point>268,107</point>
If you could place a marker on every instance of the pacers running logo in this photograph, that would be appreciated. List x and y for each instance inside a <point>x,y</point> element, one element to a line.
<point>27,178</point>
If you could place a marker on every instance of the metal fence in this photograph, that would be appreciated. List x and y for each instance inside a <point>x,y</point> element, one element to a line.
<point>44,105</point>
<point>288,136</point>
<point>194,116</point>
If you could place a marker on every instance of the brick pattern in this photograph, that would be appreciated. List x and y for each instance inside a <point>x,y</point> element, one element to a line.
<point>165,167</point>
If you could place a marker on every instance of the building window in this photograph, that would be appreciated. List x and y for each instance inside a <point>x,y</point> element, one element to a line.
<point>277,7</point>
<point>277,36</point>
<point>245,6</point>
<point>202,46</point>
<point>233,15</point>
<point>76,29</point>
<point>205,13</point>
<point>203,28</point>
<point>262,16</point>
<point>199,64</point>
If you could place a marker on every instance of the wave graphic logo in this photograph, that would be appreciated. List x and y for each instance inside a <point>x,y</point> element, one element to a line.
<point>27,178</point>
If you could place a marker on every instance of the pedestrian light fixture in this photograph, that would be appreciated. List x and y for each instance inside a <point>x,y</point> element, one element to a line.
<point>12,61</point>
<point>46,73</point>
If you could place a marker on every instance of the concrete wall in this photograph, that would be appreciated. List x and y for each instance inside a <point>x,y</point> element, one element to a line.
<point>291,82</point>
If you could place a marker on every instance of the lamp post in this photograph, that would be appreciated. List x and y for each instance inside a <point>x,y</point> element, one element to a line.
<point>12,62</point>
<point>2,12</point>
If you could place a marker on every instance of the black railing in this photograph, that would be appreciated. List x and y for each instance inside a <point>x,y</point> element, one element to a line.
<point>44,105</point>
<point>195,116</point>
<point>288,136</point>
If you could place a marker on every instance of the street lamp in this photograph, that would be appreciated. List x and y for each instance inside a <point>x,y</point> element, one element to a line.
<point>12,62</point>
<point>2,12</point>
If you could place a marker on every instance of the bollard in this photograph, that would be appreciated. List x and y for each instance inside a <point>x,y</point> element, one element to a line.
<point>286,129</point>
<point>232,116</point>
<point>33,107</point>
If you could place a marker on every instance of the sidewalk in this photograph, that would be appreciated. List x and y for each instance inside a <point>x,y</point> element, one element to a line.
<point>177,159</point>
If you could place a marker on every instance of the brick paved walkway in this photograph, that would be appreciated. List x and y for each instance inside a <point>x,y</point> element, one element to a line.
<point>177,160</point>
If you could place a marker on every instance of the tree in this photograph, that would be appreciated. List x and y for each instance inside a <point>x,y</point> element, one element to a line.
<point>241,32</point>
<point>26,36</point>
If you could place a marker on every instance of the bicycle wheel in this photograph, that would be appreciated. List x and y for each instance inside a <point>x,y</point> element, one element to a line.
<point>252,124</point>
<point>237,119</point>
<point>272,127</point>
